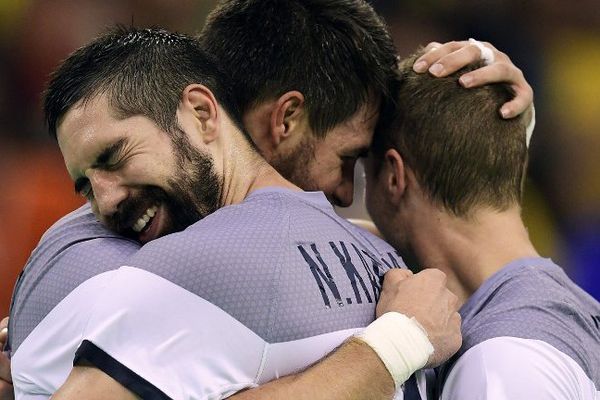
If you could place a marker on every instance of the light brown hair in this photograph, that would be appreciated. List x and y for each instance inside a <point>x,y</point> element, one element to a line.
<point>463,153</point>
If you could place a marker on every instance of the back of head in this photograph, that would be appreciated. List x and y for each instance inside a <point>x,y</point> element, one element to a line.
<point>143,72</point>
<point>338,53</point>
<point>465,156</point>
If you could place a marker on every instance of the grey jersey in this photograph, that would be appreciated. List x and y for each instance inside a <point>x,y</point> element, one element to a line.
<point>531,309</point>
<point>72,251</point>
<point>252,292</point>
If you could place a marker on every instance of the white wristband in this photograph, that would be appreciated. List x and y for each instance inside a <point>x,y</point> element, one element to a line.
<point>400,342</point>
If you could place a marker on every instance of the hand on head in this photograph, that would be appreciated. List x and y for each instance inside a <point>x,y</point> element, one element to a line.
<point>444,59</point>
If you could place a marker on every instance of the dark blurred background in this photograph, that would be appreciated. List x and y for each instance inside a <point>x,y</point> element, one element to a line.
<point>556,43</point>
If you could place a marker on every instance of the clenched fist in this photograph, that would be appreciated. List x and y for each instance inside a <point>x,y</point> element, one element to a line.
<point>425,297</point>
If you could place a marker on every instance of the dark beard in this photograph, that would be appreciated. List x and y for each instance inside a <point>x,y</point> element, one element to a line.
<point>293,166</point>
<point>195,192</point>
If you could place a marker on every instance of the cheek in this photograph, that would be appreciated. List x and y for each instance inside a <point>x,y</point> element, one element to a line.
<point>373,197</point>
<point>324,171</point>
<point>148,169</point>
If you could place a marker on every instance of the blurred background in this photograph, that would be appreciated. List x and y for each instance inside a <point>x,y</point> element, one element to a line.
<point>556,43</point>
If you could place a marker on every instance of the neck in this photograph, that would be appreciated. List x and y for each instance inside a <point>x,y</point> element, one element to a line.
<point>246,171</point>
<point>470,250</point>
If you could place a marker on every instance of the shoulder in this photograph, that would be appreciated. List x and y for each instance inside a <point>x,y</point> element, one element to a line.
<point>539,304</point>
<point>231,234</point>
<point>234,250</point>
<point>81,244</point>
<point>525,302</point>
<point>515,368</point>
<point>73,251</point>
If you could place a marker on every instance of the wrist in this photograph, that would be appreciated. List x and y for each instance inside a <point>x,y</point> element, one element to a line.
<point>400,342</point>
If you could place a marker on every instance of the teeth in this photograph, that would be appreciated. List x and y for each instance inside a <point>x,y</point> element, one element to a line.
<point>141,223</point>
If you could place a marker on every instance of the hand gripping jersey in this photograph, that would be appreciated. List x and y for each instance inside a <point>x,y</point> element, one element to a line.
<point>528,333</point>
<point>253,292</point>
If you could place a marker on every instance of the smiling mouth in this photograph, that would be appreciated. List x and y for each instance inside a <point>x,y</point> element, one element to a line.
<point>144,221</point>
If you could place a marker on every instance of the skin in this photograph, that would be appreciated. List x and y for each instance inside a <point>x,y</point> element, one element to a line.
<point>89,128</point>
<point>444,59</point>
<point>280,127</point>
<point>282,133</point>
<point>146,158</point>
<point>265,128</point>
<point>6,388</point>
<point>468,250</point>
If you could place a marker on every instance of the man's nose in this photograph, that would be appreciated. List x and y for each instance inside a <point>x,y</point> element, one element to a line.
<point>109,192</point>
<point>344,192</point>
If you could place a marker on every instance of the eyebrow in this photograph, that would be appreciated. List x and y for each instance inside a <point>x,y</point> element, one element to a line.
<point>109,152</point>
<point>103,158</point>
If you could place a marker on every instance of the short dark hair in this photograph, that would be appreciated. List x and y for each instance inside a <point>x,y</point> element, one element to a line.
<point>143,72</point>
<point>463,153</point>
<point>338,53</point>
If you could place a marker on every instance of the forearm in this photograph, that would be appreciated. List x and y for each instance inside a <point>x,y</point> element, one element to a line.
<point>353,371</point>
<point>87,382</point>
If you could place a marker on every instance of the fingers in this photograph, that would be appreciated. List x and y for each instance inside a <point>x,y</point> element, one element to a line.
<point>444,59</point>
<point>452,301</point>
<point>432,46</point>
<point>503,72</point>
<point>3,333</point>
<point>522,101</point>
<point>434,274</point>
<point>434,52</point>
<point>396,275</point>
<point>5,369</point>
<point>6,391</point>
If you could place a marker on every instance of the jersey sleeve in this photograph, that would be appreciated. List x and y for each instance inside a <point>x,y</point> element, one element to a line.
<point>162,341</point>
<point>506,368</point>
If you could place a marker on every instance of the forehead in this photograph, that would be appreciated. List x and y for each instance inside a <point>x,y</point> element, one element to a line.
<point>86,125</point>
<point>356,131</point>
<point>91,127</point>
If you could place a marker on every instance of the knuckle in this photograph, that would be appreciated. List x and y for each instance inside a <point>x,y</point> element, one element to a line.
<point>392,274</point>
<point>432,45</point>
<point>437,273</point>
<point>518,74</point>
<point>503,68</point>
<point>458,342</point>
<point>503,55</point>
<point>453,298</point>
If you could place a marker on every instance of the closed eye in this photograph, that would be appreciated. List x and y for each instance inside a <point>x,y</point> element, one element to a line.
<point>83,187</point>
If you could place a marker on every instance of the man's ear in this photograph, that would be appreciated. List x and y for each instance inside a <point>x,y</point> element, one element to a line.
<point>286,116</point>
<point>395,171</point>
<point>198,101</point>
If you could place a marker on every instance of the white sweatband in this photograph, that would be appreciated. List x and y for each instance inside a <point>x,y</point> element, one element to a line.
<point>530,126</point>
<point>487,55</point>
<point>400,342</point>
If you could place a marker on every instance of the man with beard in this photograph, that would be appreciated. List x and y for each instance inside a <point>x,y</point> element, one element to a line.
<point>266,283</point>
<point>446,192</point>
<point>70,242</point>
